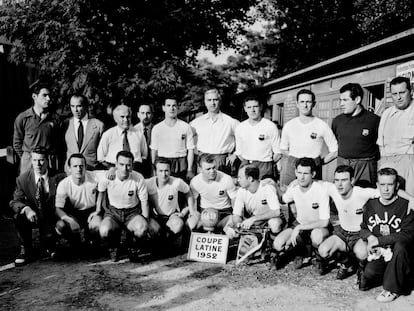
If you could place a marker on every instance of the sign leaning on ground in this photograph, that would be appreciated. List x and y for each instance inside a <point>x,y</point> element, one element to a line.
<point>208,247</point>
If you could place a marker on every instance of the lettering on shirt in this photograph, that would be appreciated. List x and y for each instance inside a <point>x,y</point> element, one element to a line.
<point>375,220</point>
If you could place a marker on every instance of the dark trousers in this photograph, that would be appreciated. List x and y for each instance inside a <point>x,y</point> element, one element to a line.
<point>365,170</point>
<point>45,223</point>
<point>220,160</point>
<point>394,274</point>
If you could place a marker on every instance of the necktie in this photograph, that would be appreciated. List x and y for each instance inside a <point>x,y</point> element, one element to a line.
<point>125,142</point>
<point>80,135</point>
<point>40,192</point>
<point>146,134</point>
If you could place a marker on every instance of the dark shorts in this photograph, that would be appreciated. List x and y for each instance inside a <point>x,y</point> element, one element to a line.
<point>365,170</point>
<point>122,216</point>
<point>81,217</point>
<point>179,167</point>
<point>350,238</point>
<point>287,174</point>
<point>265,168</point>
<point>305,234</point>
<point>220,160</point>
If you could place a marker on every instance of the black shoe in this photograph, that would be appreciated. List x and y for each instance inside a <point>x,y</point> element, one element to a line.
<point>344,271</point>
<point>23,258</point>
<point>114,254</point>
<point>301,262</point>
<point>323,267</point>
<point>364,284</point>
<point>133,254</point>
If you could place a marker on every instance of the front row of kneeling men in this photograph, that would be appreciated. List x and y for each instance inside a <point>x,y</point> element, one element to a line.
<point>375,234</point>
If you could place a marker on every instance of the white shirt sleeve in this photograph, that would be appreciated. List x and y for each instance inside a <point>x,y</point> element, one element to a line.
<point>330,139</point>
<point>238,140</point>
<point>61,195</point>
<point>271,198</point>
<point>142,191</point>
<point>288,195</point>
<point>103,147</point>
<point>182,186</point>
<point>324,209</point>
<point>231,189</point>
<point>239,203</point>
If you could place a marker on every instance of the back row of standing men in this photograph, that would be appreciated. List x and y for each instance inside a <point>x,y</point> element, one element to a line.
<point>354,137</point>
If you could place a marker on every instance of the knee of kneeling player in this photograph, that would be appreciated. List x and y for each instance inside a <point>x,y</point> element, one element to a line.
<point>104,231</point>
<point>278,244</point>
<point>275,224</point>
<point>192,221</point>
<point>94,224</point>
<point>316,237</point>
<point>60,227</point>
<point>360,251</point>
<point>140,229</point>
<point>175,224</point>
<point>323,250</point>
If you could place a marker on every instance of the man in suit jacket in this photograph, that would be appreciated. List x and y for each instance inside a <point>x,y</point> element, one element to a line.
<point>33,205</point>
<point>83,133</point>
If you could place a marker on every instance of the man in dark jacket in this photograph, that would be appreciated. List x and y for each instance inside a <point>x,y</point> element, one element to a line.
<point>33,205</point>
<point>388,232</point>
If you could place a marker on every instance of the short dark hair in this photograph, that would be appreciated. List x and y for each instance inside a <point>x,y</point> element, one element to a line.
<point>125,154</point>
<point>38,85</point>
<point>399,80</point>
<point>76,156</point>
<point>387,171</point>
<point>345,169</point>
<point>253,98</point>
<point>40,150</point>
<point>306,162</point>
<point>82,99</point>
<point>251,170</point>
<point>306,91</point>
<point>206,158</point>
<point>355,90</point>
<point>162,160</point>
<point>170,98</point>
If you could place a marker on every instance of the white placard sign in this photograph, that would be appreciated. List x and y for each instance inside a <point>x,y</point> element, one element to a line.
<point>406,70</point>
<point>208,247</point>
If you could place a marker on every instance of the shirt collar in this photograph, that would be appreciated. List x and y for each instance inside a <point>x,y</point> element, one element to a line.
<point>219,116</point>
<point>120,130</point>
<point>44,176</point>
<point>84,119</point>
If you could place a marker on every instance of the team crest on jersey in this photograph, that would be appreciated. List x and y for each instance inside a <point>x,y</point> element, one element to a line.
<point>131,193</point>
<point>365,132</point>
<point>221,192</point>
<point>384,229</point>
<point>261,137</point>
<point>264,202</point>
<point>359,211</point>
<point>313,135</point>
<point>315,205</point>
<point>183,136</point>
<point>170,197</point>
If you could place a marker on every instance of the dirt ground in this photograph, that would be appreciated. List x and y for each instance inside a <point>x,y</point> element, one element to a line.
<point>177,284</point>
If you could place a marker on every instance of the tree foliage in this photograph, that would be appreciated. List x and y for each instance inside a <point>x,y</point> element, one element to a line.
<point>299,33</point>
<point>118,51</point>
